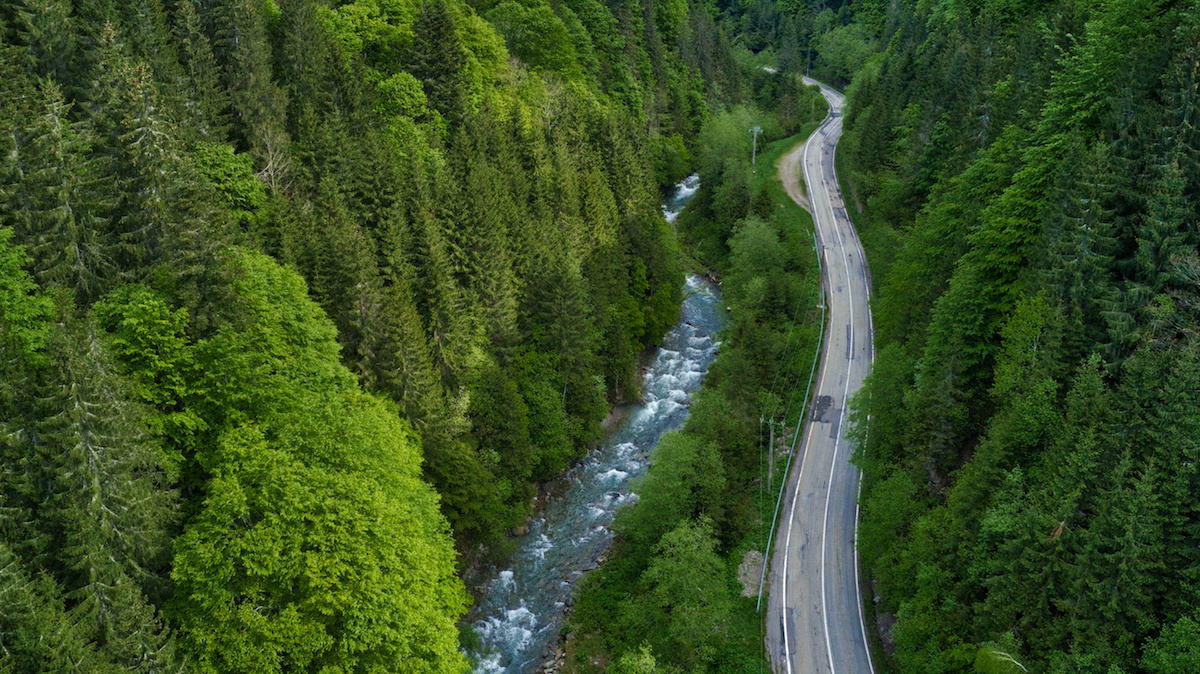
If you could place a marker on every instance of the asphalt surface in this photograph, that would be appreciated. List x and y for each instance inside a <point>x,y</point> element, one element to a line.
<point>814,608</point>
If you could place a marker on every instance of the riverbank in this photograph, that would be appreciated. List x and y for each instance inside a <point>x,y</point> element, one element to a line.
<point>671,590</point>
<point>522,601</point>
<point>520,606</point>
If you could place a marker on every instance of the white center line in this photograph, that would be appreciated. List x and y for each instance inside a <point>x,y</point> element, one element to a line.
<point>838,438</point>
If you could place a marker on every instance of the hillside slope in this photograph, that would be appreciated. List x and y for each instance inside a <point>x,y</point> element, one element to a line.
<point>1027,177</point>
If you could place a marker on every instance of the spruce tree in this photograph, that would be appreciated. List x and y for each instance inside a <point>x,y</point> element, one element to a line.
<point>25,326</point>
<point>105,509</point>
<point>112,504</point>
<point>48,31</point>
<point>240,43</point>
<point>36,634</point>
<point>437,60</point>
<point>205,102</point>
<point>1080,250</point>
<point>61,204</point>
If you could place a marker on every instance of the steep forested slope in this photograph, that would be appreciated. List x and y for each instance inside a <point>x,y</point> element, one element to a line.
<point>269,268</point>
<point>1028,183</point>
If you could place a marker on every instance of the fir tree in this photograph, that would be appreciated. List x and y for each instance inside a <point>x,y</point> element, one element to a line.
<point>240,43</point>
<point>47,29</point>
<point>105,510</point>
<point>60,202</point>
<point>205,102</point>
<point>437,59</point>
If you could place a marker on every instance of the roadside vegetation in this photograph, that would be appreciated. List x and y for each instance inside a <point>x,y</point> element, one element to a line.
<point>668,598</point>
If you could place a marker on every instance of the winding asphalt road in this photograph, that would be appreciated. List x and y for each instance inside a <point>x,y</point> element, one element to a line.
<point>814,609</point>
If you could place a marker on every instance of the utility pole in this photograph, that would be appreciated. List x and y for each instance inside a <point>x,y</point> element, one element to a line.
<point>754,152</point>
<point>771,456</point>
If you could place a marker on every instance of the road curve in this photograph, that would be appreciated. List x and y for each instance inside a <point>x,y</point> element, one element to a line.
<point>814,610</point>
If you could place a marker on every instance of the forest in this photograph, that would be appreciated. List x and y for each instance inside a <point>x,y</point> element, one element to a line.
<point>668,599</point>
<point>1026,182</point>
<point>303,299</point>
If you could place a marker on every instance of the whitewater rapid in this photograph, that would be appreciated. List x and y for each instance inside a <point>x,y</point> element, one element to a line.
<point>520,608</point>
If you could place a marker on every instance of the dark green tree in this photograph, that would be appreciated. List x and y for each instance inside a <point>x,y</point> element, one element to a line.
<point>437,60</point>
<point>59,207</point>
<point>50,36</point>
<point>205,101</point>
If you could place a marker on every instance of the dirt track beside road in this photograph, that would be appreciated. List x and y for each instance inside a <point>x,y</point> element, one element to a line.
<point>793,181</point>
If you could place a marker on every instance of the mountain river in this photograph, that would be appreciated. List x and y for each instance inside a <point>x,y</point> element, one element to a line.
<point>519,609</point>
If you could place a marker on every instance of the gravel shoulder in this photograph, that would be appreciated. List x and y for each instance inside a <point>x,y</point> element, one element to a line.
<point>792,176</point>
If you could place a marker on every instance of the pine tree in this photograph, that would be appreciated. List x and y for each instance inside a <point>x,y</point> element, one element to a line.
<point>205,102</point>
<point>481,240</point>
<point>164,219</point>
<point>1162,234</point>
<point>1080,250</point>
<point>109,508</point>
<point>243,52</point>
<point>1122,557</point>
<point>1160,392</point>
<point>25,325</point>
<point>47,29</point>
<point>449,319</point>
<point>60,201</point>
<point>437,60</point>
<point>36,634</point>
<point>562,325</point>
<point>145,28</point>
<point>112,504</point>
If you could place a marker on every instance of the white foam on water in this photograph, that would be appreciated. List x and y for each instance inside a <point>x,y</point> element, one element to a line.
<point>541,546</point>
<point>669,407</point>
<point>489,664</point>
<point>612,475</point>
<point>505,582</point>
<point>513,631</point>
<point>666,357</point>
<point>683,194</point>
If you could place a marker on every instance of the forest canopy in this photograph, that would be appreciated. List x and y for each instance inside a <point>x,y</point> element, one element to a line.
<point>300,300</point>
<point>1026,177</point>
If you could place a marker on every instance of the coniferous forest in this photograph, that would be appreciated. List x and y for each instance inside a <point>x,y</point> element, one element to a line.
<point>1026,180</point>
<point>300,300</point>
